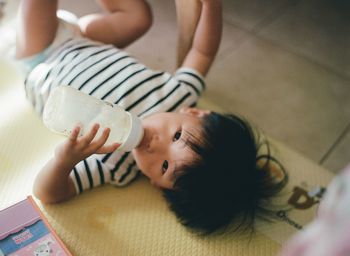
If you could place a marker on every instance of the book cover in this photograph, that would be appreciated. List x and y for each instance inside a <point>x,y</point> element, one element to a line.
<point>24,230</point>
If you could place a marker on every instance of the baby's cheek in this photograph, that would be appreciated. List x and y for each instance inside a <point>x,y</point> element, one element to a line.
<point>141,162</point>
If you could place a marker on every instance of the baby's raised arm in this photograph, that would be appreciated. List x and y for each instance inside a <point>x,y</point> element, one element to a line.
<point>206,38</point>
<point>188,13</point>
<point>53,183</point>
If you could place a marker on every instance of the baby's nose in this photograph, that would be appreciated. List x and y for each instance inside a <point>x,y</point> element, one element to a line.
<point>155,145</point>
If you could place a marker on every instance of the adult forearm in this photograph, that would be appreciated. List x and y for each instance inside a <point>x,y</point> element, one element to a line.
<point>53,183</point>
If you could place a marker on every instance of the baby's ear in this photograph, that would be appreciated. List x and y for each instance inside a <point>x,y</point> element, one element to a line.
<point>195,111</point>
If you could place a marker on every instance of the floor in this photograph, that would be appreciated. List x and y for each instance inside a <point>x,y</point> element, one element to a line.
<point>283,64</point>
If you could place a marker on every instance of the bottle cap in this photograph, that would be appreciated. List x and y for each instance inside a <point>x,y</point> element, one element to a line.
<point>135,135</point>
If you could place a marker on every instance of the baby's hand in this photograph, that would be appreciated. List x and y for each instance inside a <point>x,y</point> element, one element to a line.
<point>75,149</point>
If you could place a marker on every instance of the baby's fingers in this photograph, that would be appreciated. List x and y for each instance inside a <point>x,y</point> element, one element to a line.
<point>108,149</point>
<point>74,134</point>
<point>94,146</point>
<point>90,135</point>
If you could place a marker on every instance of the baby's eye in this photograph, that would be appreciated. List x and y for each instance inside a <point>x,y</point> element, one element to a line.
<point>165,166</point>
<point>177,136</point>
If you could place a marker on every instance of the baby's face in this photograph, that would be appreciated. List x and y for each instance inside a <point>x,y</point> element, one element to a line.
<point>163,146</point>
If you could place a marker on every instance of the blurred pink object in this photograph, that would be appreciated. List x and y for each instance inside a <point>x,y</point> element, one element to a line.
<point>329,233</point>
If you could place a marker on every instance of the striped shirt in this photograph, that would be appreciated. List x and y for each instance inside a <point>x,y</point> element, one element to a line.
<point>110,74</point>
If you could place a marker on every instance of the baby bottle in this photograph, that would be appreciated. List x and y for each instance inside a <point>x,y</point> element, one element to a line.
<point>66,107</point>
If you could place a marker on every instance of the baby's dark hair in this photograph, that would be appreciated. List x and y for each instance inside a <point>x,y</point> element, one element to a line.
<point>231,184</point>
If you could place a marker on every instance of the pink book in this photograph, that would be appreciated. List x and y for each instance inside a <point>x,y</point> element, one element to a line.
<point>25,231</point>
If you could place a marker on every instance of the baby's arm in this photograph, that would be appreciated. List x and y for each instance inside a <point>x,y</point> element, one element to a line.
<point>207,37</point>
<point>53,183</point>
<point>188,13</point>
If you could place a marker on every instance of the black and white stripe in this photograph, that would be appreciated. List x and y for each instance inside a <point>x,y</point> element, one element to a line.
<point>112,75</point>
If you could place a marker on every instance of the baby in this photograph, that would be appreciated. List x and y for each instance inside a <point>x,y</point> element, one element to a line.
<point>206,163</point>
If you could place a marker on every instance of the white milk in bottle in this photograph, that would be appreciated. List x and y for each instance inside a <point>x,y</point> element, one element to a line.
<point>66,107</point>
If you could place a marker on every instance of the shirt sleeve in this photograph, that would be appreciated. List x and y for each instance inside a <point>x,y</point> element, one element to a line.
<point>182,89</point>
<point>163,92</point>
<point>191,78</point>
<point>117,168</point>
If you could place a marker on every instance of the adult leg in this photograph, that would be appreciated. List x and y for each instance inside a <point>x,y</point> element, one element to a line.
<point>124,22</point>
<point>37,26</point>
